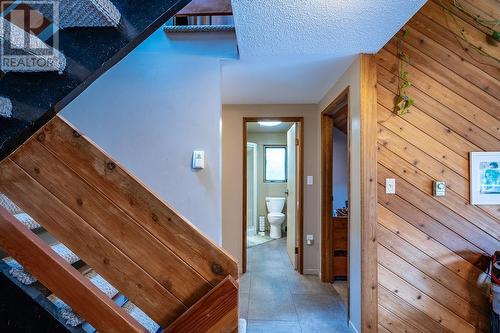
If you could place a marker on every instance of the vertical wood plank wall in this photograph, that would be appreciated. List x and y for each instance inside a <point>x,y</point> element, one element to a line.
<point>431,251</point>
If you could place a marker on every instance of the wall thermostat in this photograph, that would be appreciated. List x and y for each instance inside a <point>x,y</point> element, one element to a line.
<point>198,159</point>
<point>439,188</point>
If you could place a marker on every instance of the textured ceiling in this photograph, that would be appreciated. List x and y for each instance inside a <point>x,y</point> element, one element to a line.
<point>292,51</point>
<point>318,27</point>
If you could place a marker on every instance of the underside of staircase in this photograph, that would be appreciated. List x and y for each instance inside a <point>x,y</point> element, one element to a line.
<point>84,245</point>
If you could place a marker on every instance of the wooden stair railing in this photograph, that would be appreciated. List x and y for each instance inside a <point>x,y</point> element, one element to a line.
<point>50,269</point>
<point>214,313</point>
<point>129,236</point>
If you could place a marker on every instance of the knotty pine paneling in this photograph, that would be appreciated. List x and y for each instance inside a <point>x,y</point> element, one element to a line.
<point>431,251</point>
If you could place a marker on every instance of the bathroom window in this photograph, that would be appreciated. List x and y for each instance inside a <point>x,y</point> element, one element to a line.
<point>275,164</point>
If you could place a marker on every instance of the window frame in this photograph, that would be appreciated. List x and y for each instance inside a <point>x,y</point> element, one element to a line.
<point>265,160</point>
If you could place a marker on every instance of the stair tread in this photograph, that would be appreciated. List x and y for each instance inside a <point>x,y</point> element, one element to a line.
<point>28,221</point>
<point>83,13</point>
<point>66,312</point>
<point>9,205</point>
<point>141,317</point>
<point>18,271</point>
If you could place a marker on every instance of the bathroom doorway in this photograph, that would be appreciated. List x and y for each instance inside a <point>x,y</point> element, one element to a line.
<point>272,186</point>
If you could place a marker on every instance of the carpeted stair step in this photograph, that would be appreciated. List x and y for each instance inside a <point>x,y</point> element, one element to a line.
<point>82,13</point>
<point>18,213</point>
<point>28,221</point>
<point>15,40</point>
<point>5,107</point>
<point>10,206</point>
<point>72,318</point>
<point>18,271</point>
<point>141,317</point>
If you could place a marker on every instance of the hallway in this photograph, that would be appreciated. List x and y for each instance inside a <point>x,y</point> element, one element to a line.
<point>276,299</point>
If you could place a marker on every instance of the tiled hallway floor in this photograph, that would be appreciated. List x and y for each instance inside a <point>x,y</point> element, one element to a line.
<point>276,299</point>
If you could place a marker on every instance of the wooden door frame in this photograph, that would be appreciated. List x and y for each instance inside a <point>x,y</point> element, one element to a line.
<point>368,179</point>
<point>327,125</point>
<point>300,185</point>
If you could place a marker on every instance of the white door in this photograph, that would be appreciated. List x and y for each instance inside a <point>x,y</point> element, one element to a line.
<point>291,201</point>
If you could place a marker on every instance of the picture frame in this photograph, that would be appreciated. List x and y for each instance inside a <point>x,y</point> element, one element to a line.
<point>485,178</point>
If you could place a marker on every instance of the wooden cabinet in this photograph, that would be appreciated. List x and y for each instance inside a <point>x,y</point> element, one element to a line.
<point>339,248</point>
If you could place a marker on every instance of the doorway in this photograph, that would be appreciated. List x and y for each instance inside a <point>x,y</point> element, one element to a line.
<point>335,208</point>
<point>272,185</point>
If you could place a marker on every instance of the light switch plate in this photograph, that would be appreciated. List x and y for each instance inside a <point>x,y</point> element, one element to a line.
<point>390,186</point>
<point>309,240</point>
<point>310,180</point>
<point>439,188</point>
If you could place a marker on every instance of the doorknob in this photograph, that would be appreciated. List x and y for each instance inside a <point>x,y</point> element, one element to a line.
<point>286,192</point>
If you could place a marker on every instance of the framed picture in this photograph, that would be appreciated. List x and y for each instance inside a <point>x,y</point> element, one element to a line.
<point>485,178</point>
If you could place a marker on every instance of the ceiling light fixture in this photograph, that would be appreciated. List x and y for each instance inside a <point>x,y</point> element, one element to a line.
<point>269,123</point>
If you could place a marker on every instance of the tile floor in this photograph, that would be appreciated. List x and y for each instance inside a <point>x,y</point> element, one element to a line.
<point>276,299</point>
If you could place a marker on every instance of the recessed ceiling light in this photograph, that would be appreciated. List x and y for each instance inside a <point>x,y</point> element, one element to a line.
<point>269,123</point>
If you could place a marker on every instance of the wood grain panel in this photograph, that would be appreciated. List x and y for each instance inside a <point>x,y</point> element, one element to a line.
<point>77,291</point>
<point>111,222</point>
<point>91,246</point>
<point>433,251</point>
<point>464,287</point>
<point>216,312</point>
<point>410,314</point>
<point>393,323</point>
<point>422,301</point>
<point>441,213</point>
<point>443,94</point>
<point>466,128</point>
<point>427,285</point>
<point>105,175</point>
<point>368,116</point>
<point>429,247</point>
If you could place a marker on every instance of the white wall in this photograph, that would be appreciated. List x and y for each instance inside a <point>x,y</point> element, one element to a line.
<point>351,79</point>
<point>154,108</point>
<point>339,169</point>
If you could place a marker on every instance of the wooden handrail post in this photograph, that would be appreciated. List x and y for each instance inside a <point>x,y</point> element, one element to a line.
<point>62,279</point>
<point>216,312</point>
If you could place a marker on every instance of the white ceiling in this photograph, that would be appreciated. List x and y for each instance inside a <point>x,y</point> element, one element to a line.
<point>293,51</point>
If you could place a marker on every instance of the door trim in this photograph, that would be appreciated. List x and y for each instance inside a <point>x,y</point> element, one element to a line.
<point>327,125</point>
<point>300,187</point>
<point>369,242</point>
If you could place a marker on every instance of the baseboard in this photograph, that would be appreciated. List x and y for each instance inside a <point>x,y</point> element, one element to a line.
<point>351,326</point>
<point>243,326</point>
<point>311,272</point>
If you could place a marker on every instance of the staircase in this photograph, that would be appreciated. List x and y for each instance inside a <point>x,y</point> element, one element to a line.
<point>82,238</point>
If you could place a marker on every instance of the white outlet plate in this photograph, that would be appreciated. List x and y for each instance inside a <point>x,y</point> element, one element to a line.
<point>310,180</point>
<point>390,186</point>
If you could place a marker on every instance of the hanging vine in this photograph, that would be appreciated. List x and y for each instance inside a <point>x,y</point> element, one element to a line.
<point>403,102</point>
<point>491,25</point>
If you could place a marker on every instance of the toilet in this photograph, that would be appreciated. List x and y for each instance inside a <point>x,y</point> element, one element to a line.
<point>275,217</point>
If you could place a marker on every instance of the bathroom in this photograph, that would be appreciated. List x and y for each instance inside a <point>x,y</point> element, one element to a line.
<point>271,156</point>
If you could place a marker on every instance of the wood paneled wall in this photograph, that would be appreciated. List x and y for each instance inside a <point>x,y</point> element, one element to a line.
<point>431,250</point>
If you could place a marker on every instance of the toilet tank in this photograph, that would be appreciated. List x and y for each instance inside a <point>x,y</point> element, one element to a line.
<point>275,204</point>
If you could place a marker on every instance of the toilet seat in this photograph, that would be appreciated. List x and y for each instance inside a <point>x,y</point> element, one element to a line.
<point>275,215</point>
